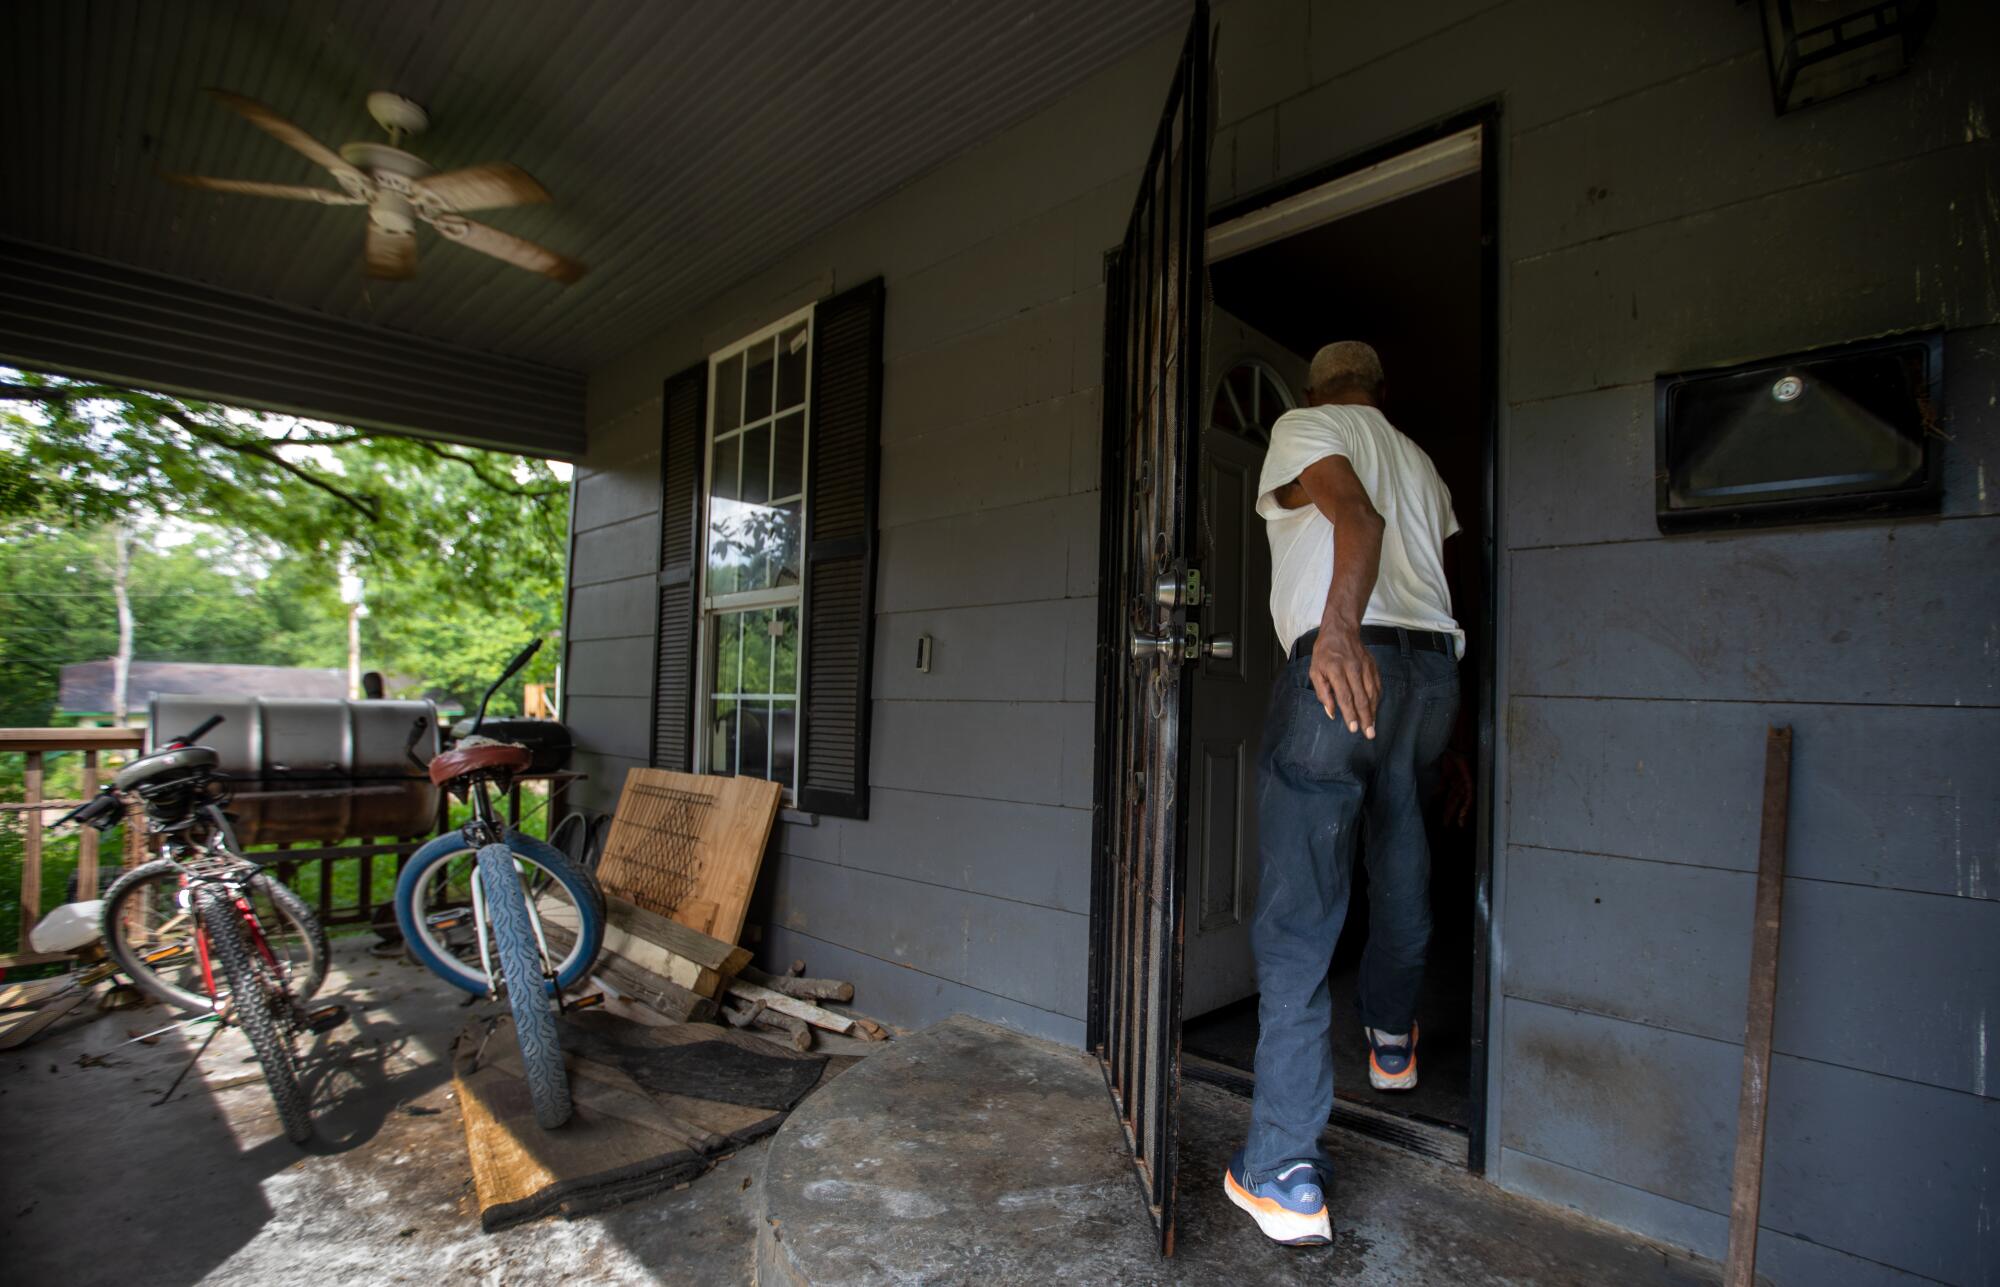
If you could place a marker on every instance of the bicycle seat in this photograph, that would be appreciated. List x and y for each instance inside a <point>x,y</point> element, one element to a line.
<point>161,768</point>
<point>479,755</point>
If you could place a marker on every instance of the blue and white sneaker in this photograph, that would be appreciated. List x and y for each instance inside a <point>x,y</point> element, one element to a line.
<point>1290,1207</point>
<point>1392,1058</point>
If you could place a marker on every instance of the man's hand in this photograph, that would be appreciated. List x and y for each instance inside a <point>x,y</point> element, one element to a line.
<point>1345,675</point>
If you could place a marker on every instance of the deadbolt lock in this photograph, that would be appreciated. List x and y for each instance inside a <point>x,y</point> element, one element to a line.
<point>1178,589</point>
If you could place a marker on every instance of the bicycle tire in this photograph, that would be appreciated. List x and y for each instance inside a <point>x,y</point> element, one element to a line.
<point>306,978</point>
<point>571,835</point>
<point>520,956</point>
<point>250,1006</point>
<point>579,885</point>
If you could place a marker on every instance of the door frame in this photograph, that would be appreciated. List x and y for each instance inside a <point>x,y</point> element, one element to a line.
<point>1486,114</point>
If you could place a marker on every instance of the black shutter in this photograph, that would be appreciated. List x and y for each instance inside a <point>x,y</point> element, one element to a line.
<point>683,431</point>
<point>840,551</point>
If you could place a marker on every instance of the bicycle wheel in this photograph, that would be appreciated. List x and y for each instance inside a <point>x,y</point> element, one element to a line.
<point>259,1005</point>
<point>148,927</point>
<point>520,953</point>
<point>571,836</point>
<point>438,880</point>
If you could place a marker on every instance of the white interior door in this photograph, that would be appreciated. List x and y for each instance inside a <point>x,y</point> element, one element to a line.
<point>1230,694</point>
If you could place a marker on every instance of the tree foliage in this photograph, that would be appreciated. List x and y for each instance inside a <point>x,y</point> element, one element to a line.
<point>247,521</point>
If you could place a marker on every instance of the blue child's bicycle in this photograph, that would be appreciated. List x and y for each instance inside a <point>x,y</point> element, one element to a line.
<point>486,891</point>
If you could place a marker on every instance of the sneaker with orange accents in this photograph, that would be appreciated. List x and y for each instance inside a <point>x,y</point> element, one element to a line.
<point>1392,1058</point>
<point>1290,1207</point>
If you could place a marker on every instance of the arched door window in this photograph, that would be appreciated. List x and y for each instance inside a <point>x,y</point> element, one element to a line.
<point>1249,400</point>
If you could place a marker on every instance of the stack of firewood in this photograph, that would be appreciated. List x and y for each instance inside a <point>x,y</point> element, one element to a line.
<point>657,970</point>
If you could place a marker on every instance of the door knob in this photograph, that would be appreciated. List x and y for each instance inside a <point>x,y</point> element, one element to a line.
<point>1144,646</point>
<point>1220,647</point>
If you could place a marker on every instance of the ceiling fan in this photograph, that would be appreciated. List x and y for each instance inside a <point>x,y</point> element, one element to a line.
<point>399,190</point>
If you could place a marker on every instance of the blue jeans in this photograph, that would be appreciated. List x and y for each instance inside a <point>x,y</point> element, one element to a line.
<point>1319,789</point>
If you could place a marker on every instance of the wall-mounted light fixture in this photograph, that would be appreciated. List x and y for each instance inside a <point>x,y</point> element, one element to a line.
<point>1844,432</point>
<point>1817,49</point>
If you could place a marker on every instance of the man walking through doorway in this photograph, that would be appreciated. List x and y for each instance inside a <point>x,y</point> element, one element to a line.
<point>1357,518</point>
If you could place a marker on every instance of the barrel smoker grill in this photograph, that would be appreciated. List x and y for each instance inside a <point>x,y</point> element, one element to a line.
<point>316,768</point>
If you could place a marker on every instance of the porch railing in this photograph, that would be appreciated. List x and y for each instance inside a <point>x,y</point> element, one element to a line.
<point>35,811</point>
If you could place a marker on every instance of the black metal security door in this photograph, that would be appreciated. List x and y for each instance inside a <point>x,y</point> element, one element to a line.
<point>1148,629</point>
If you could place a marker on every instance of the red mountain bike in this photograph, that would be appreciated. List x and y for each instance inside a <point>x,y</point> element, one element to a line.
<point>205,929</point>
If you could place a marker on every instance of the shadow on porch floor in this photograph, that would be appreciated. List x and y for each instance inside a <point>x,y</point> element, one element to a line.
<point>971,1154</point>
<point>101,1187</point>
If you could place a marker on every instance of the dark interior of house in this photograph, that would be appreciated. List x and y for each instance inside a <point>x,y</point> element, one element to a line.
<point>1405,277</point>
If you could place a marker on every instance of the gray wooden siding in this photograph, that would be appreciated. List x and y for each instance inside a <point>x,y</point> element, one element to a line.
<point>968,887</point>
<point>1675,222</point>
<point>1655,215</point>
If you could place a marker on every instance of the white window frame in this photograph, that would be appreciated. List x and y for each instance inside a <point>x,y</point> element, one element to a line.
<point>793,596</point>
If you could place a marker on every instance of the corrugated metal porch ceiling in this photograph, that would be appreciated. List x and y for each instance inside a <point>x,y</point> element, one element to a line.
<point>687,144</point>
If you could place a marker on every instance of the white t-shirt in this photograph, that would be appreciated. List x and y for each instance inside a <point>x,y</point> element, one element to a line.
<point>1406,491</point>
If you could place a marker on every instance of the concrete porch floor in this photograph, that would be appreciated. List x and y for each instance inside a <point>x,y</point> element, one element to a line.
<point>968,1153</point>
<point>965,1153</point>
<point>100,1186</point>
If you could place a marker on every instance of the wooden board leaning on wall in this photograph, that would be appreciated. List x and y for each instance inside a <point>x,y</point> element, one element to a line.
<point>688,846</point>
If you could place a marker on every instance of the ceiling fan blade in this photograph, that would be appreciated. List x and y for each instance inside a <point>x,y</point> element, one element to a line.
<point>483,187</point>
<point>517,251</point>
<point>285,132</point>
<point>252,188</point>
<point>391,256</point>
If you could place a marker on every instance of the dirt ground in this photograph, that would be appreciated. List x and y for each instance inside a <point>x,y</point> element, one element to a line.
<point>102,1185</point>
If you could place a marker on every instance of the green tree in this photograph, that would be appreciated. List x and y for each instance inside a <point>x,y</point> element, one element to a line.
<point>461,550</point>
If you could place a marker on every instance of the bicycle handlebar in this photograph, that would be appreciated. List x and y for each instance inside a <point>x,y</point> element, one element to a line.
<point>513,668</point>
<point>101,811</point>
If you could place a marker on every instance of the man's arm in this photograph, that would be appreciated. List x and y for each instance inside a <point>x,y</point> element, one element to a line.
<point>1343,673</point>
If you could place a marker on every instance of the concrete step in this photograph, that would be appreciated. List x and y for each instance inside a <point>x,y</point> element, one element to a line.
<point>969,1153</point>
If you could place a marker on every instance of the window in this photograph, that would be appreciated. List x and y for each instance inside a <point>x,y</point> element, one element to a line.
<point>753,574</point>
<point>765,615</point>
<point>1249,399</point>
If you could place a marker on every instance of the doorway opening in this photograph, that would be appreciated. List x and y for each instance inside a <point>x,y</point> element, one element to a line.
<point>1395,252</point>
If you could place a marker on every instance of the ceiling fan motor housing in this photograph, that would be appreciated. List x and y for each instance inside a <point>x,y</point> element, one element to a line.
<point>392,205</point>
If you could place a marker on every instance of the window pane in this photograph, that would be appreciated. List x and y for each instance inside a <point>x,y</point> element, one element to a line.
<point>725,515</point>
<point>729,394</point>
<point>792,352</point>
<point>1243,382</point>
<point>757,465</point>
<point>789,463</point>
<point>723,467</point>
<point>726,662</point>
<point>785,652</point>
<point>757,392</point>
<point>756,651</point>
<point>784,562</point>
<point>754,742</point>
<point>722,736</point>
<point>753,708</point>
<point>784,742</point>
<point>752,547</point>
<point>725,560</point>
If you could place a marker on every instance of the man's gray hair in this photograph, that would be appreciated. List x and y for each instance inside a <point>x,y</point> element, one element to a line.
<point>1347,364</point>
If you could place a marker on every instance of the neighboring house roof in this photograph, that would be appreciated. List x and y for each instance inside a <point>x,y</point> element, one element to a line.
<point>86,686</point>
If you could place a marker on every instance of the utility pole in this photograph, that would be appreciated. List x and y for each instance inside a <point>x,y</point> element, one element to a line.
<point>351,595</point>
<point>121,579</point>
